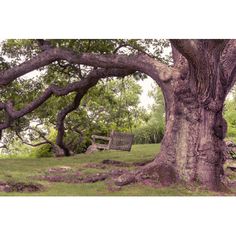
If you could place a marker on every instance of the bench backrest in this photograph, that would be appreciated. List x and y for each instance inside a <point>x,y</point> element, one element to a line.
<point>120,141</point>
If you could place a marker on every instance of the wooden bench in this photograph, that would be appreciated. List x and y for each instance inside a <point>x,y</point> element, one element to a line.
<point>116,141</point>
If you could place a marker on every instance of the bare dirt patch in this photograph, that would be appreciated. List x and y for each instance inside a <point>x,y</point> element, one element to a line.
<point>125,164</point>
<point>116,177</point>
<point>61,169</point>
<point>77,177</point>
<point>20,187</point>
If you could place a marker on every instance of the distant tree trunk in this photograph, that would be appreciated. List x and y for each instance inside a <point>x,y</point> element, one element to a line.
<point>59,152</point>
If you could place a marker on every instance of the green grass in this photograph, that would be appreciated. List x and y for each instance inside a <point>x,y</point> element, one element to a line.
<point>24,170</point>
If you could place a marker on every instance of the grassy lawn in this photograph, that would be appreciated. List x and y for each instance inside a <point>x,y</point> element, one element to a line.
<point>26,170</point>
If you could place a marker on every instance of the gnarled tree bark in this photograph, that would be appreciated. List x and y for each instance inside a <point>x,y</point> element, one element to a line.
<point>192,149</point>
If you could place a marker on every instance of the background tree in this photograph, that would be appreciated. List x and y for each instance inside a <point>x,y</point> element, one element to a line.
<point>230,115</point>
<point>151,127</point>
<point>108,106</point>
<point>112,104</point>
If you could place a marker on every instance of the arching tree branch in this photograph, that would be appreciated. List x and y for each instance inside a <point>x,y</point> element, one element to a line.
<point>80,86</point>
<point>140,62</point>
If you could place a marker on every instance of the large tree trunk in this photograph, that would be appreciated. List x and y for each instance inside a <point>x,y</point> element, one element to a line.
<point>192,150</point>
<point>193,146</point>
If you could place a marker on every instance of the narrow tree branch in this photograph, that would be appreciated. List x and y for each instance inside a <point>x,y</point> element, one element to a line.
<point>30,144</point>
<point>122,45</point>
<point>41,135</point>
<point>3,146</point>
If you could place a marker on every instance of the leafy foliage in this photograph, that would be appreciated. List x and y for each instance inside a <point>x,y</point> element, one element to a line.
<point>111,105</point>
<point>152,129</point>
<point>230,115</point>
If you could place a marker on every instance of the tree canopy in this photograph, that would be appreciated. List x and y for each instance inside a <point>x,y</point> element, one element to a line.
<point>49,95</point>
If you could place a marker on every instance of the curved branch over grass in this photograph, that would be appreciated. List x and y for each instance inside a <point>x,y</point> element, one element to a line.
<point>140,62</point>
<point>81,86</point>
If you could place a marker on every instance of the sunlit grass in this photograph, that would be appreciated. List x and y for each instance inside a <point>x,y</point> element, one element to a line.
<point>25,170</point>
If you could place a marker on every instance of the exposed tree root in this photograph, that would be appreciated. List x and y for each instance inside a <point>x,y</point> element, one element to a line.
<point>151,173</point>
<point>77,177</point>
<point>115,163</point>
<point>162,175</point>
<point>154,174</point>
<point>20,187</point>
<point>124,179</point>
<point>106,163</point>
